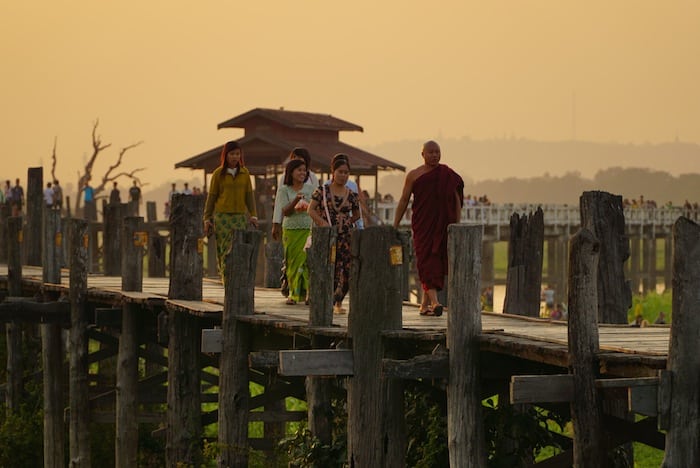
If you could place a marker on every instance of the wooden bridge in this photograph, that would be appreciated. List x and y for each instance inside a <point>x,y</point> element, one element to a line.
<point>249,335</point>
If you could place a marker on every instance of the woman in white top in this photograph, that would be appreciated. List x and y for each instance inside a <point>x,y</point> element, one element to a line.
<point>311,179</point>
<point>292,201</point>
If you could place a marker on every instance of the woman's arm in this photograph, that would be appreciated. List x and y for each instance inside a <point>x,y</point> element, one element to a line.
<point>315,215</point>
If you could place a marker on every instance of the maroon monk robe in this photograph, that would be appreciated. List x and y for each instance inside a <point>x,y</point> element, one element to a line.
<point>433,209</point>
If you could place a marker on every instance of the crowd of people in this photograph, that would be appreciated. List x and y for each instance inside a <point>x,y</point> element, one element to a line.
<point>301,202</point>
<point>13,196</point>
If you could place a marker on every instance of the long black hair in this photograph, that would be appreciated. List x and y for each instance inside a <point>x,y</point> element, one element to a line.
<point>292,165</point>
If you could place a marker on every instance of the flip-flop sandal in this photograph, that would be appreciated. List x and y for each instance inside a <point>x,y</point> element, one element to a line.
<point>428,312</point>
<point>291,302</point>
<point>437,310</point>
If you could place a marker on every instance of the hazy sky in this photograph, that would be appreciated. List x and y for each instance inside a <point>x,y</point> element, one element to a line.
<point>166,72</point>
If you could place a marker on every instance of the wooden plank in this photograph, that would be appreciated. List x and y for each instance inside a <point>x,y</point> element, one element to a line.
<point>419,367</point>
<point>212,340</point>
<point>643,400</point>
<point>541,388</point>
<point>316,362</point>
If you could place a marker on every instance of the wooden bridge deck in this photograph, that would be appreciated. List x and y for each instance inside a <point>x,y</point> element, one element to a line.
<point>635,351</point>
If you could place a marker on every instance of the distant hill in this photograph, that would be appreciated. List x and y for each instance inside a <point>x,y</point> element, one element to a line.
<point>519,170</point>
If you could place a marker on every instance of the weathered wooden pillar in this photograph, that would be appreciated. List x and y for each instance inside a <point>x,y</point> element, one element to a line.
<point>234,391</point>
<point>668,262</point>
<point>156,254</point>
<point>560,247</point>
<point>320,259</point>
<point>52,349</point>
<point>127,427</point>
<point>184,428</point>
<point>321,267</point>
<point>649,256</point>
<point>35,209</point>
<point>4,214</point>
<point>635,263</point>
<point>551,260</point>
<point>211,269</point>
<point>52,245</point>
<point>602,214</point>
<point>683,365</point>
<point>151,212</point>
<point>407,254</point>
<point>376,426</point>
<point>488,274</point>
<point>15,370</point>
<point>112,239</point>
<point>274,257</point>
<point>78,384</point>
<point>586,409</point>
<point>465,430</point>
<point>524,277</point>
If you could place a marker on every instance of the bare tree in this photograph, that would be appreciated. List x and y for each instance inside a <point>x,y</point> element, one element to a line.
<point>53,159</point>
<point>110,175</point>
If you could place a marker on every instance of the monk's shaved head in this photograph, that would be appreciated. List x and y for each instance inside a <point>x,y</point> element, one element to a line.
<point>430,143</point>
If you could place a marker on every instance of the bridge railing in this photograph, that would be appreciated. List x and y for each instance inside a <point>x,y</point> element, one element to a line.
<point>554,214</point>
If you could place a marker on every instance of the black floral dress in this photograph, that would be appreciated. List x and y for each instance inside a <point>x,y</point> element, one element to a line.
<point>340,210</point>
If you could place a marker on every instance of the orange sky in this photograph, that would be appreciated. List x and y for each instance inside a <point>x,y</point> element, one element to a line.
<point>168,72</point>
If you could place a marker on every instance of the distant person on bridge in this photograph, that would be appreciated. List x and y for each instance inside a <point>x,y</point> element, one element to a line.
<point>438,194</point>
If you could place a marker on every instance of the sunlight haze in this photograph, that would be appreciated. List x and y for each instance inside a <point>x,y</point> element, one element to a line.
<point>168,72</point>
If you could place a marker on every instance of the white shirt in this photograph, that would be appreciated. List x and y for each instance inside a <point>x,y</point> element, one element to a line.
<point>48,196</point>
<point>311,180</point>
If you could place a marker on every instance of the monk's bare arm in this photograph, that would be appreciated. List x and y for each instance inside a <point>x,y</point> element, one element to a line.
<point>405,196</point>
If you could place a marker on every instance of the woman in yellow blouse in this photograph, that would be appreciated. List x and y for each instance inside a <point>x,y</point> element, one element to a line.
<point>230,201</point>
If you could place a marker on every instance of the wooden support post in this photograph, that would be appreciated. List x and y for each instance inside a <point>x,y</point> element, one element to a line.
<point>52,349</point>
<point>602,214</point>
<point>320,259</point>
<point>682,448</point>
<point>465,431</point>
<point>156,254</point>
<point>586,409</point>
<point>234,391</point>
<point>112,239</point>
<point>318,390</point>
<point>35,210</point>
<point>668,262</point>
<point>649,249</point>
<point>376,426</point>
<point>52,245</point>
<point>151,211</point>
<point>407,253</point>
<point>4,214</point>
<point>211,256</point>
<point>78,384</point>
<point>184,429</point>
<point>635,263</point>
<point>126,437</point>
<point>15,370</point>
<point>186,250</point>
<point>488,272</point>
<point>524,277</point>
<point>274,256</point>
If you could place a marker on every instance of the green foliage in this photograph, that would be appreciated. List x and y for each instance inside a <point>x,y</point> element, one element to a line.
<point>21,443</point>
<point>649,306</point>
<point>302,449</point>
<point>514,435</point>
<point>426,426</point>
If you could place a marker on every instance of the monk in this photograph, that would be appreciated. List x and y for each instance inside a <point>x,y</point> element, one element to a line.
<point>438,193</point>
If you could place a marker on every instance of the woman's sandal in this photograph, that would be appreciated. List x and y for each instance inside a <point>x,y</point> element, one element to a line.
<point>291,302</point>
<point>428,312</point>
<point>437,310</point>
